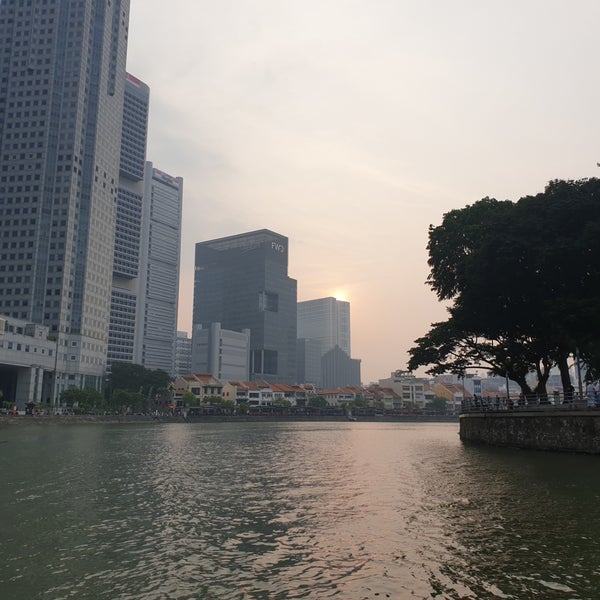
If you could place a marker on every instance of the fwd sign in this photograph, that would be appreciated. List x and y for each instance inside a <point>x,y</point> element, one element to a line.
<point>278,247</point>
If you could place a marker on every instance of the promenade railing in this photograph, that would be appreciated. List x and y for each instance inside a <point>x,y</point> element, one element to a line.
<point>537,402</point>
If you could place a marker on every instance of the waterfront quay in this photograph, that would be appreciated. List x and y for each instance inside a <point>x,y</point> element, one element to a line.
<point>10,420</point>
<point>561,424</point>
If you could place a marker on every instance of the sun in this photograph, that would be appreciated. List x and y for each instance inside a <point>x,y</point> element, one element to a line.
<point>340,295</point>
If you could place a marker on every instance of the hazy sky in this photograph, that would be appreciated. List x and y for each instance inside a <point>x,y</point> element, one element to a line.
<point>350,126</point>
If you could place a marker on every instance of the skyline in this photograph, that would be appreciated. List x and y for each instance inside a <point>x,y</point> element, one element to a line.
<point>351,127</point>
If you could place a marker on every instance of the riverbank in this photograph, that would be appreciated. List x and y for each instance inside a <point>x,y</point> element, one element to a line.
<point>40,420</point>
<point>555,430</point>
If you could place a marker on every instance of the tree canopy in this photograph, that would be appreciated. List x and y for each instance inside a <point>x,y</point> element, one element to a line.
<point>523,282</point>
<point>136,378</point>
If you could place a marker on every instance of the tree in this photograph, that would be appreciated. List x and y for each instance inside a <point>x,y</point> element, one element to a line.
<point>136,378</point>
<point>124,401</point>
<point>437,404</point>
<point>82,400</point>
<point>282,402</point>
<point>189,399</point>
<point>523,280</point>
<point>317,402</point>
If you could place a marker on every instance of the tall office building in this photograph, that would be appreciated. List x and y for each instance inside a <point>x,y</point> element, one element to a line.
<point>327,321</point>
<point>242,282</point>
<point>324,332</point>
<point>61,102</point>
<point>156,326</point>
<point>125,281</point>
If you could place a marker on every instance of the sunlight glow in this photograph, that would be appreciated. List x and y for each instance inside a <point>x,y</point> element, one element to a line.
<point>340,295</point>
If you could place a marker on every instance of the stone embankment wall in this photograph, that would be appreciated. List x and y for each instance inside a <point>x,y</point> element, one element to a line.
<point>572,431</point>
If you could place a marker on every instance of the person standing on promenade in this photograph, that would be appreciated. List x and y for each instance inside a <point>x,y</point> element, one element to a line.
<point>591,395</point>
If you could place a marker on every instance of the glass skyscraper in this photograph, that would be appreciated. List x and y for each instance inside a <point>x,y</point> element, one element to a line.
<point>327,321</point>
<point>242,282</point>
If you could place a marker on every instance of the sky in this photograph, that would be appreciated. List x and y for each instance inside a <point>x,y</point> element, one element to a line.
<point>351,126</point>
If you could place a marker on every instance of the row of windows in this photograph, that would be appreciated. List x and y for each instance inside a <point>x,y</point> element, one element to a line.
<point>24,347</point>
<point>9,303</point>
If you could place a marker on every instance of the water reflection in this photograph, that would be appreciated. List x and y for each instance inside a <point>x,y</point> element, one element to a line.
<point>301,510</point>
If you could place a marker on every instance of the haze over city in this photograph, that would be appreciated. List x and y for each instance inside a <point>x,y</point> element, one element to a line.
<point>350,127</point>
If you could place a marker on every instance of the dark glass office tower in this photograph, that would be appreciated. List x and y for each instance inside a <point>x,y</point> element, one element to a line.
<point>242,282</point>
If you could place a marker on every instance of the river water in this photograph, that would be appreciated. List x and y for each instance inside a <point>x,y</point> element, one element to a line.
<point>291,510</point>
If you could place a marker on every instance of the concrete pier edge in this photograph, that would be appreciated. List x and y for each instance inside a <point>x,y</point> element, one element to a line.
<point>554,430</point>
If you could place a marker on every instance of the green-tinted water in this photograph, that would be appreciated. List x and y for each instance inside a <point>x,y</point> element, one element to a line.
<point>291,510</point>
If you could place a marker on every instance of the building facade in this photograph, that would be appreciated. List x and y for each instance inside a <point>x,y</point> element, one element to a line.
<point>183,354</point>
<point>324,343</point>
<point>222,352</point>
<point>327,321</point>
<point>156,324</point>
<point>61,105</point>
<point>242,282</point>
<point>339,370</point>
<point>308,361</point>
<point>128,230</point>
<point>410,388</point>
<point>26,357</point>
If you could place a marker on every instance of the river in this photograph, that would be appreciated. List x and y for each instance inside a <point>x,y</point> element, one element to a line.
<point>291,510</point>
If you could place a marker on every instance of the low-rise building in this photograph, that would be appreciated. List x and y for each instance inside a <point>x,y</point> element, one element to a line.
<point>27,362</point>
<point>340,396</point>
<point>202,385</point>
<point>454,393</point>
<point>253,393</point>
<point>391,400</point>
<point>410,388</point>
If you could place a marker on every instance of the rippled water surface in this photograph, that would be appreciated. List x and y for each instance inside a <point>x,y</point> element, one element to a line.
<point>291,510</point>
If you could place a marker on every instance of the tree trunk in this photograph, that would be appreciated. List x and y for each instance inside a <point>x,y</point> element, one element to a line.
<point>565,377</point>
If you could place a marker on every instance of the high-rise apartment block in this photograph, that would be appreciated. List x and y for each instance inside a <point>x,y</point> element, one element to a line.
<point>156,326</point>
<point>242,282</point>
<point>62,83</point>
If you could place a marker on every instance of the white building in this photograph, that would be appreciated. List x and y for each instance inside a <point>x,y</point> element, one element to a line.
<point>156,325</point>
<point>222,352</point>
<point>27,362</point>
<point>125,282</point>
<point>183,354</point>
<point>411,389</point>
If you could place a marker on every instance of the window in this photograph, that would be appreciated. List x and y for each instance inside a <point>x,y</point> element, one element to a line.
<point>268,301</point>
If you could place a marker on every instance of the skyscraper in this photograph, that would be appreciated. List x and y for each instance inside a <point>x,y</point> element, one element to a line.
<point>156,327</point>
<point>125,282</point>
<point>61,104</point>
<point>326,320</point>
<point>324,332</point>
<point>242,282</point>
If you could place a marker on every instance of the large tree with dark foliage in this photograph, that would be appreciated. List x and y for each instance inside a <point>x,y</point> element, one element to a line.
<point>136,378</point>
<point>523,282</point>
